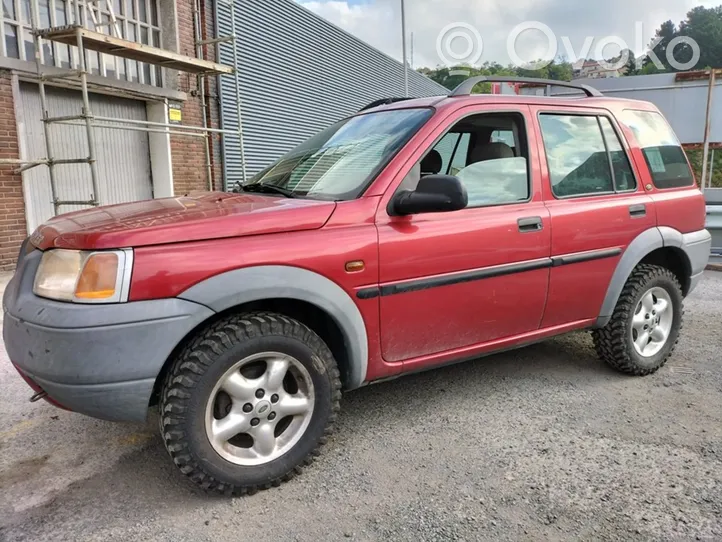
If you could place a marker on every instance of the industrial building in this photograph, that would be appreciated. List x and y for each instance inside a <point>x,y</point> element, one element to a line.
<point>163,102</point>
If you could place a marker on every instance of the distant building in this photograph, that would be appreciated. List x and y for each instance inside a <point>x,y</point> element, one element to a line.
<point>591,69</point>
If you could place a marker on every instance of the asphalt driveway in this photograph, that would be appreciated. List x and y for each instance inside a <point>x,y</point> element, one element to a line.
<point>544,443</point>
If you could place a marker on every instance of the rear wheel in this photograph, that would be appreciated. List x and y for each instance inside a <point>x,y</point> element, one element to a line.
<point>645,326</point>
<point>249,402</point>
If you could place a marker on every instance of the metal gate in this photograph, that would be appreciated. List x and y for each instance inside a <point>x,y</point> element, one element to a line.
<point>123,157</point>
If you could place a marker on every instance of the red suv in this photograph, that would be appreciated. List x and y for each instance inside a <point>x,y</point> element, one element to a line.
<point>416,233</point>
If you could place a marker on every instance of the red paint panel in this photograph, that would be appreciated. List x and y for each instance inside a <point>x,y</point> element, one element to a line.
<point>681,209</point>
<point>167,270</point>
<point>586,224</point>
<point>599,222</point>
<point>442,318</point>
<point>577,291</point>
<point>448,317</point>
<point>438,243</point>
<point>428,321</point>
<point>470,352</point>
<point>183,219</point>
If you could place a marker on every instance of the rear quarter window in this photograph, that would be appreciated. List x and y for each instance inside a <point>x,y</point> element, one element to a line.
<point>666,160</point>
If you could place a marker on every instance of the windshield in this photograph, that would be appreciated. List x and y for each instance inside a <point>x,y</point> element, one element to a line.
<point>338,163</point>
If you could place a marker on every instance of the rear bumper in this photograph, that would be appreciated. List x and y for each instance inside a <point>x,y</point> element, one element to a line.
<point>697,246</point>
<point>99,360</point>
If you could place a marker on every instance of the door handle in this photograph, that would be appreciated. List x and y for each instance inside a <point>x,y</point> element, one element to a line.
<point>530,224</point>
<point>638,210</point>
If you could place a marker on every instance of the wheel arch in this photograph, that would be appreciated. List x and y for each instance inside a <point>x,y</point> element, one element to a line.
<point>313,299</point>
<point>662,246</point>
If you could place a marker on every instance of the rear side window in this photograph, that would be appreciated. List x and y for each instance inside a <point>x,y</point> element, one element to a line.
<point>665,158</point>
<point>584,156</point>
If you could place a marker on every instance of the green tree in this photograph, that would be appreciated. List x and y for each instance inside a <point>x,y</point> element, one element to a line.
<point>666,33</point>
<point>561,71</point>
<point>704,26</point>
<point>630,68</point>
<point>451,77</point>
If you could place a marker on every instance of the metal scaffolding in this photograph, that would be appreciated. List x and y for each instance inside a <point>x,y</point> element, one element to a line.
<point>114,44</point>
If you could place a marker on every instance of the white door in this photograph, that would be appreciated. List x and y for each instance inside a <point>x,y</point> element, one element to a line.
<point>123,156</point>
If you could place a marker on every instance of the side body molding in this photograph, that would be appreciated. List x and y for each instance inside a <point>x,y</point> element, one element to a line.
<point>285,282</point>
<point>646,242</point>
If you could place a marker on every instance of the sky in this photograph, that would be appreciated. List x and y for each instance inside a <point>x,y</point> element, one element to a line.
<point>574,22</point>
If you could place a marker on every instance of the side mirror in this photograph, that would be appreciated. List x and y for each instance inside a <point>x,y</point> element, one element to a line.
<point>434,194</point>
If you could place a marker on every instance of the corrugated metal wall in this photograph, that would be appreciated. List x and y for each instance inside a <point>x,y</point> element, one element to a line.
<point>299,74</point>
<point>123,157</point>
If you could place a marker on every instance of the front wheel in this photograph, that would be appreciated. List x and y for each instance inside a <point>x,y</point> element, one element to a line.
<point>645,326</point>
<point>248,402</point>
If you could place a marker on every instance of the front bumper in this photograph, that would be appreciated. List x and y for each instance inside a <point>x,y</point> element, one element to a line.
<point>99,360</point>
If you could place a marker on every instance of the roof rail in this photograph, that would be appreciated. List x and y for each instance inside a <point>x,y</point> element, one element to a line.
<point>465,88</point>
<point>383,101</point>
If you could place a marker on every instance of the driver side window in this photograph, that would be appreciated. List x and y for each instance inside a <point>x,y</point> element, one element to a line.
<point>488,153</point>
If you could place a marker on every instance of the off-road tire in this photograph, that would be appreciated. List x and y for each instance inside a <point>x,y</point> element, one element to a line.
<point>195,372</point>
<point>613,342</point>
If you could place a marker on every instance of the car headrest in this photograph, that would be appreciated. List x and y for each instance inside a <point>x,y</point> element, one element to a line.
<point>491,151</point>
<point>431,164</point>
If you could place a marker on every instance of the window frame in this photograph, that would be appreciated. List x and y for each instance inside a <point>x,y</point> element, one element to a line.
<point>101,62</point>
<point>597,115</point>
<point>693,183</point>
<point>524,124</point>
<point>621,140</point>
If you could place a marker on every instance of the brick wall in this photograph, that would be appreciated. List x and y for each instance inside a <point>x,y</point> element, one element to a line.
<point>12,207</point>
<point>189,172</point>
<point>188,153</point>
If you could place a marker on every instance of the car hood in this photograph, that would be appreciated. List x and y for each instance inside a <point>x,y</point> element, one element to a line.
<point>211,215</point>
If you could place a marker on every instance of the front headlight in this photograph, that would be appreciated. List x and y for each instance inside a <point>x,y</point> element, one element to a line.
<point>84,276</point>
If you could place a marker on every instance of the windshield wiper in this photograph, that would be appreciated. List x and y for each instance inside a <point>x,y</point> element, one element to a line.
<point>267,189</point>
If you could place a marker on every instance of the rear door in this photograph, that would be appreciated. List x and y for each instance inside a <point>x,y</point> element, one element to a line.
<point>596,203</point>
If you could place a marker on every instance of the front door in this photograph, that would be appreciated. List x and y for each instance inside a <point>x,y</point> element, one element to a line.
<point>458,279</point>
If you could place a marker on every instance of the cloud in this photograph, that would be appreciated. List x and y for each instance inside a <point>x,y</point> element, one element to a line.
<point>378,22</point>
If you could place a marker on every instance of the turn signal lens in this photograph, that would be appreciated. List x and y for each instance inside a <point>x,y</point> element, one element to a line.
<point>99,277</point>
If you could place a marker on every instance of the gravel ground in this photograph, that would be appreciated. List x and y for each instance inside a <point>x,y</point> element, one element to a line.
<point>544,443</point>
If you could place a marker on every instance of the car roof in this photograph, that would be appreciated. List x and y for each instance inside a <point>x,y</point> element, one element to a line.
<point>443,102</point>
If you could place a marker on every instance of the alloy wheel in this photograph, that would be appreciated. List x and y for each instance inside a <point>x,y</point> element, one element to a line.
<point>260,408</point>
<point>652,322</point>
